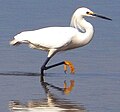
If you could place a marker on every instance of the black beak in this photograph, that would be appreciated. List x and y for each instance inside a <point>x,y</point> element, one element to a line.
<point>100,16</point>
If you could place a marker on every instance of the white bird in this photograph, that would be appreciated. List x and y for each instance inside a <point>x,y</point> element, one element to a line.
<point>56,39</point>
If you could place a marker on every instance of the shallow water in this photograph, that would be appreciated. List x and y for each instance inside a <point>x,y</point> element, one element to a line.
<point>23,92</point>
<point>95,85</point>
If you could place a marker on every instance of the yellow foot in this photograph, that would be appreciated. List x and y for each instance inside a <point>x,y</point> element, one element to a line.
<point>68,89</point>
<point>70,65</point>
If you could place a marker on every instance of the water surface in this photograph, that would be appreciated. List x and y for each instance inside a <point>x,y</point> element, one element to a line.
<point>96,82</point>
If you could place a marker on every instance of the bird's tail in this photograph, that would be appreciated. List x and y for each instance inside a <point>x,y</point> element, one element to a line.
<point>14,42</point>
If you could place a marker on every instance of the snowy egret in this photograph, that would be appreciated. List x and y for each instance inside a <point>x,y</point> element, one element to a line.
<point>56,39</point>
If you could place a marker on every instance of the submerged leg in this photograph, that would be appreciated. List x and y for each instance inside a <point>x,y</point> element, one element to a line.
<point>66,63</point>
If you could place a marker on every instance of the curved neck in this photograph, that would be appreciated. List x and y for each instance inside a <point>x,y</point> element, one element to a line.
<point>83,27</point>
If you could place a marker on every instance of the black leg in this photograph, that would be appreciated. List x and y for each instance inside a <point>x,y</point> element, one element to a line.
<point>57,64</point>
<point>44,67</point>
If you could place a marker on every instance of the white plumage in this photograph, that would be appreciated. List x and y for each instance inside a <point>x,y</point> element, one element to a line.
<point>56,39</point>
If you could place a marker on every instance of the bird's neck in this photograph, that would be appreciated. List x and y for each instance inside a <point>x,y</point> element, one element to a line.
<point>83,27</point>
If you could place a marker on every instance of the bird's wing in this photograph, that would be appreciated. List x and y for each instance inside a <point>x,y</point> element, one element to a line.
<point>50,37</point>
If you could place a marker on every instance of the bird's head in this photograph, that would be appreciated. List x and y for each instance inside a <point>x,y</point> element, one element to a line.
<point>87,12</point>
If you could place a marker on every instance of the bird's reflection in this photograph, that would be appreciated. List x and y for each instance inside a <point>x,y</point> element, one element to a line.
<point>65,89</point>
<point>51,103</point>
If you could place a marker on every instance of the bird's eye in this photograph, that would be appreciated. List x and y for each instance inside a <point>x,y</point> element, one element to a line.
<point>87,12</point>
